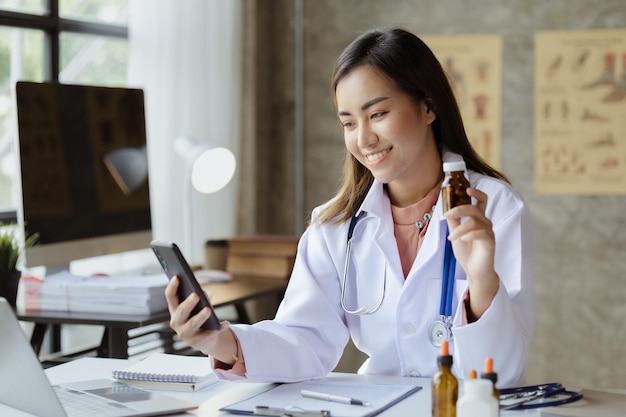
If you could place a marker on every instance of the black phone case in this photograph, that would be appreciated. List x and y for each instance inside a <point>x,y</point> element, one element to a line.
<point>174,264</point>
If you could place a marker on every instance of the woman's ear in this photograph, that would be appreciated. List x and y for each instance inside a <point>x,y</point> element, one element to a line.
<point>430,110</point>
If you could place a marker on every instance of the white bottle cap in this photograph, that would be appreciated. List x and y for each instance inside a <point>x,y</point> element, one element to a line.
<point>454,166</point>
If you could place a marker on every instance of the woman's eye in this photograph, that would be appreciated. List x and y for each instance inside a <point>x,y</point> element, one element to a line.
<point>347,125</point>
<point>378,114</point>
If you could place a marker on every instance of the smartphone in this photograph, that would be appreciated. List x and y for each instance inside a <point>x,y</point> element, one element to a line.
<point>174,264</point>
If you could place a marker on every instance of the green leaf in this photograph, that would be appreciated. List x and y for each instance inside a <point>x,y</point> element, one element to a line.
<point>10,246</point>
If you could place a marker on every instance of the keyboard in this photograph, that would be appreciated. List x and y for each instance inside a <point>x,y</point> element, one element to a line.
<point>82,404</point>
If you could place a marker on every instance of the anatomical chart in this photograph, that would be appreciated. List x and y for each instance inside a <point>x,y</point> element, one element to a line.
<point>580,112</point>
<point>473,64</point>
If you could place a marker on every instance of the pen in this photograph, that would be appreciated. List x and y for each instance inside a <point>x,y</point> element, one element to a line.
<point>289,412</point>
<point>333,398</point>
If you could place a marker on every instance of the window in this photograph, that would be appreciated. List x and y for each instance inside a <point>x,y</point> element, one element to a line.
<point>70,41</point>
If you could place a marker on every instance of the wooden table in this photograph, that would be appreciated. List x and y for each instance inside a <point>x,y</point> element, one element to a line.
<point>115,339</point>
<point>241,289</point>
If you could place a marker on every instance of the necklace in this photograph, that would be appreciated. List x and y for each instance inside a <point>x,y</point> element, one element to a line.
<point>412,211</point>
<point>420,224</point>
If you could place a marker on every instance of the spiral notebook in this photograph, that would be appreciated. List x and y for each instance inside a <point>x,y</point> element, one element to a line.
<point>168,371</point>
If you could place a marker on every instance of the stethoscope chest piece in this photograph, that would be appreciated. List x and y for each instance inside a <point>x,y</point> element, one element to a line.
<point>438,332</point>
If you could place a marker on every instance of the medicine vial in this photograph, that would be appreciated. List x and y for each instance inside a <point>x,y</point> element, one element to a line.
<point>477,400</point>
<point>445,386</point>
<point>454,187</point>
<point>488,373</point>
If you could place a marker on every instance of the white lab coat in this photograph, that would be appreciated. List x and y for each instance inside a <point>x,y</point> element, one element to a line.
<point>310,331</point>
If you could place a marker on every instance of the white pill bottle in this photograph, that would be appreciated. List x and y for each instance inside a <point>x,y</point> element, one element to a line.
<point>477,400</point>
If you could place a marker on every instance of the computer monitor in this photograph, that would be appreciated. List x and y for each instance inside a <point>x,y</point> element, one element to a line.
<point>84,171</point>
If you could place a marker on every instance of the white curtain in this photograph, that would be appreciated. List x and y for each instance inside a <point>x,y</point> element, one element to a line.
<point>185,54</point>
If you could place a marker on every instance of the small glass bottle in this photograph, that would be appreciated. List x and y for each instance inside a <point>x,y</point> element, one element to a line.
<point>454,187</point>
<point>477,399</point>
<point>445,387</point>
<point>492,376</point>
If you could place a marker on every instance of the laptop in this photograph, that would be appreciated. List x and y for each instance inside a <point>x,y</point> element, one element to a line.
<point>24,385</point>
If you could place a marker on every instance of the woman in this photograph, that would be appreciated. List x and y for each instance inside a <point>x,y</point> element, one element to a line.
<point>400,122</point>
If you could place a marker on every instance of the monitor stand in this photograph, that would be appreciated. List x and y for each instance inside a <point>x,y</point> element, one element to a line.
<point>55,269</point>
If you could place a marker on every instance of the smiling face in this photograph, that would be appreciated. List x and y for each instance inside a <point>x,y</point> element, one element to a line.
<point>388,132</point>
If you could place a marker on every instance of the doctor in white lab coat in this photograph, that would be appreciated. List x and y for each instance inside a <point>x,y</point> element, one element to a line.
<point>400,123</point>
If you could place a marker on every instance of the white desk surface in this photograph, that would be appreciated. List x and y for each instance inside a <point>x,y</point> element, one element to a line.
<point>223,393</point>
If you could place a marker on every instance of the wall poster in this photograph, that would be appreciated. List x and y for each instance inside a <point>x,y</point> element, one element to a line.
<point>580,112</point>
<point>473,64</point>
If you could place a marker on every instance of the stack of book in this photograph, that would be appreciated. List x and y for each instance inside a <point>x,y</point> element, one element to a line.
<point>270,256</point>
<point>48,295</point>
<point>123,294</point>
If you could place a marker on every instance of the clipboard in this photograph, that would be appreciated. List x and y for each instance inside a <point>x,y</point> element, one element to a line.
<point>287,398</point>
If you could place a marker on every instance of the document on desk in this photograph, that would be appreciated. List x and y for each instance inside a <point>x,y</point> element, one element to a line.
<point>288,397</point>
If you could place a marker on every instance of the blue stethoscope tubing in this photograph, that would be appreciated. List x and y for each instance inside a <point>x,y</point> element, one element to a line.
<point>447,285</point>
<point>441,330</point>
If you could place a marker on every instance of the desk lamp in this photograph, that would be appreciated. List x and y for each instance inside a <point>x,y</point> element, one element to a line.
<point>208,170</point>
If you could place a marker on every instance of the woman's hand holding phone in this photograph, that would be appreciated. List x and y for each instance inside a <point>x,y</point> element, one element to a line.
<point>187,326</point>
<point>174,264</point>
<point>220,344</point>
<point>191,314</point>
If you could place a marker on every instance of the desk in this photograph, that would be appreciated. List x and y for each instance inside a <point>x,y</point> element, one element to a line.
<point>224,393</point>
<point>115,339</point>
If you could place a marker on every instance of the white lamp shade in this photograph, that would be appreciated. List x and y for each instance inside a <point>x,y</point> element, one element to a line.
<point>211,168</point>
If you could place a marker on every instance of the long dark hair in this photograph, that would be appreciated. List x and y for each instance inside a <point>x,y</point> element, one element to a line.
<point>407,61</point>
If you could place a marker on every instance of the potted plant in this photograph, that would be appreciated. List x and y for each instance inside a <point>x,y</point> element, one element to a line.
<point>11,249</point>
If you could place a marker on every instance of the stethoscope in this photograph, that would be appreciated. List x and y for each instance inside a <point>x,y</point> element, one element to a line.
<point>360,311</point>
<point>440,330</point>
<point>536,396</point>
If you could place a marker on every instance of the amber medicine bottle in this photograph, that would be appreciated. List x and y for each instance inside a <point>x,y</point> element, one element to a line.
<point>445,387</point>
<point>454,187</point>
